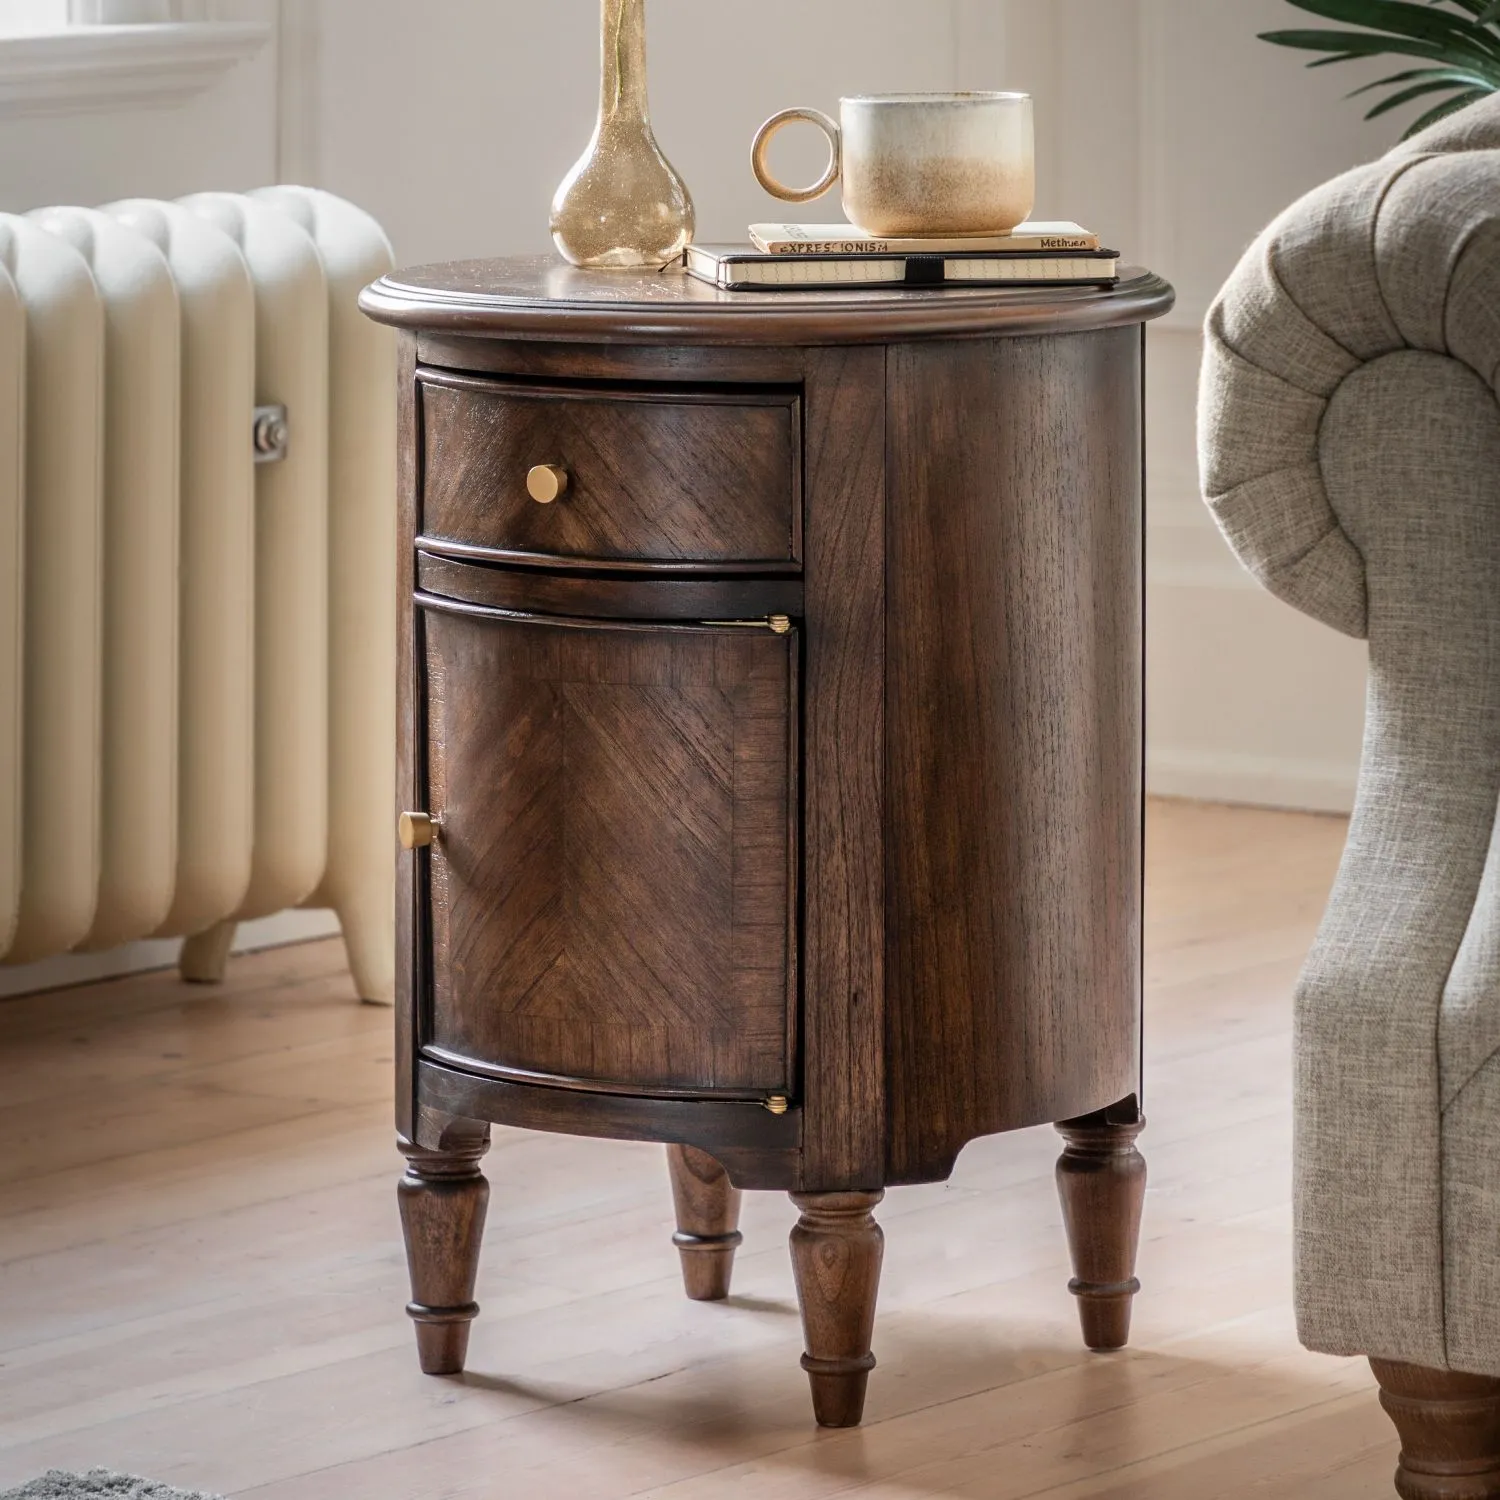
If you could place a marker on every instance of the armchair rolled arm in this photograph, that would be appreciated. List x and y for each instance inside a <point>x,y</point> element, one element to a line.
<point>1403,253</point>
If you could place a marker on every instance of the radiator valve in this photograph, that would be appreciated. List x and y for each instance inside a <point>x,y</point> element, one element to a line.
<point>269,434</point>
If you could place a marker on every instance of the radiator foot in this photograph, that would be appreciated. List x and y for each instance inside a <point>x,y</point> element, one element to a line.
<point>370,945</point>
<point>205,955</point>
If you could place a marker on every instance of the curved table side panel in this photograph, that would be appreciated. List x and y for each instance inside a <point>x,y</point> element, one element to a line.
<point>1014,737</point>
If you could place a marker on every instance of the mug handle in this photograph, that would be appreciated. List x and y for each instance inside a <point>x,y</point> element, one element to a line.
<point>763,138</point>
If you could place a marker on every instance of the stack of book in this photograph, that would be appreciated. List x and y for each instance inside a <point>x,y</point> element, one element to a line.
<point>785,257</point>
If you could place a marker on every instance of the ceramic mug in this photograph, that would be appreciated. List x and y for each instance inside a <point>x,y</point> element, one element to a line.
<point>917,165</point>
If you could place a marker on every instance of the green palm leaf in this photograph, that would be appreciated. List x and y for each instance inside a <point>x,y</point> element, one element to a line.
<point>1448,107</point>
<point>1402,18</point>
<point>1481,9</point>
<point>1405,96</point>
<point>1455,76</point>
<point>1364,44</point>
<point>1461,43</point>
<point>1455,34</point>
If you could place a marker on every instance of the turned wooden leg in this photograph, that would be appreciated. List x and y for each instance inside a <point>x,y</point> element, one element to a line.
<point>443,1198</point>
<point>836,1252</point>
<point>1450,1431</point>
<point>708,1217</point>
<point>1101,1179</point>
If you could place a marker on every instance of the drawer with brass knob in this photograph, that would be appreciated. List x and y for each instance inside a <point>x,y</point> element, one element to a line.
<point>546,483</point>
<point>687,480</point>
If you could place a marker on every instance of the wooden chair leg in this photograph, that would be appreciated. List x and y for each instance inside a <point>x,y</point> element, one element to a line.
<point>708,1217</point>
<point>1450,1431</point>
<point>443,1198</point>
<point>836,1252</point>
<point>1101,1179</point>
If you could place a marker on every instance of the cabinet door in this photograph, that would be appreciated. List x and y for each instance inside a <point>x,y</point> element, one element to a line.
<point>612,891</point>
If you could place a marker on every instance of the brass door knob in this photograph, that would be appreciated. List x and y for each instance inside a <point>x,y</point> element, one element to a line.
<point>546,483</point>
<point>416,830</point>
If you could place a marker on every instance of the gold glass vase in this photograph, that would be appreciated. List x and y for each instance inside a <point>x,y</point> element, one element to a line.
<point>623,205</point>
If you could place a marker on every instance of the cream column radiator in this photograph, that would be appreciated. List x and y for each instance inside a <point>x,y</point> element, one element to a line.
<point>197,576</point>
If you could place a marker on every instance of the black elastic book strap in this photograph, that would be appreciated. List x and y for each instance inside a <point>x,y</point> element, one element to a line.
<point>926,270</point>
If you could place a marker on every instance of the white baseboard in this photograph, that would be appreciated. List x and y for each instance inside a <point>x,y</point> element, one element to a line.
<point>1254,780</point>
<point>136,958</point>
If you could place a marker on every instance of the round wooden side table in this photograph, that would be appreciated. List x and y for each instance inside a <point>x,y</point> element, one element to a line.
<point>771,756</point>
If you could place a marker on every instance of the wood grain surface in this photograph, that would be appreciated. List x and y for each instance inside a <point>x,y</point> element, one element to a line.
<point>666,476</point>
<point>411,918</point>
<point>612,890</point>
<point>844,771</point>
<point>837,1250</point>
<point>535,297</point>
<point>1014,737</point>
<point>666,364</point>
<point>758,1149</point>
<point>584,596</point>
<point>1101,1182</point>
<point>443,1199</point>
<point>707,1207</point>
<point>1450,1431</point>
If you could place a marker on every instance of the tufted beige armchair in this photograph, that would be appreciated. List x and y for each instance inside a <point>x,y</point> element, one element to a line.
<point>1350,444</point>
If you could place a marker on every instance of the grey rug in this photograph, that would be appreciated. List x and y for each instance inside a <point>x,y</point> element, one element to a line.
<point>99,1484</point>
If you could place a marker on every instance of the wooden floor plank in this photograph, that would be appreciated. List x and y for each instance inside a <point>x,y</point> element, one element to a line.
<point>201,1276</point>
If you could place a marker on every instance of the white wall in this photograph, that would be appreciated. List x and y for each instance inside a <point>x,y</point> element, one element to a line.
<point>1249,699</point>
<point>223,138</point>
<point>455,121</point>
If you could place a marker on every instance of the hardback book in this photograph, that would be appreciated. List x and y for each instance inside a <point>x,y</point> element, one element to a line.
<point>734,268</point>
<point>845,239</point>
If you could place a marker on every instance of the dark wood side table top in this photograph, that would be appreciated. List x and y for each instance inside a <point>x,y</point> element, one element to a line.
<point>537,297</point>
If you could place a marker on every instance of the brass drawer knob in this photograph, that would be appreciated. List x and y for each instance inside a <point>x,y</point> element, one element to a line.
<point>416,830</point>
<point>546,483</point>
